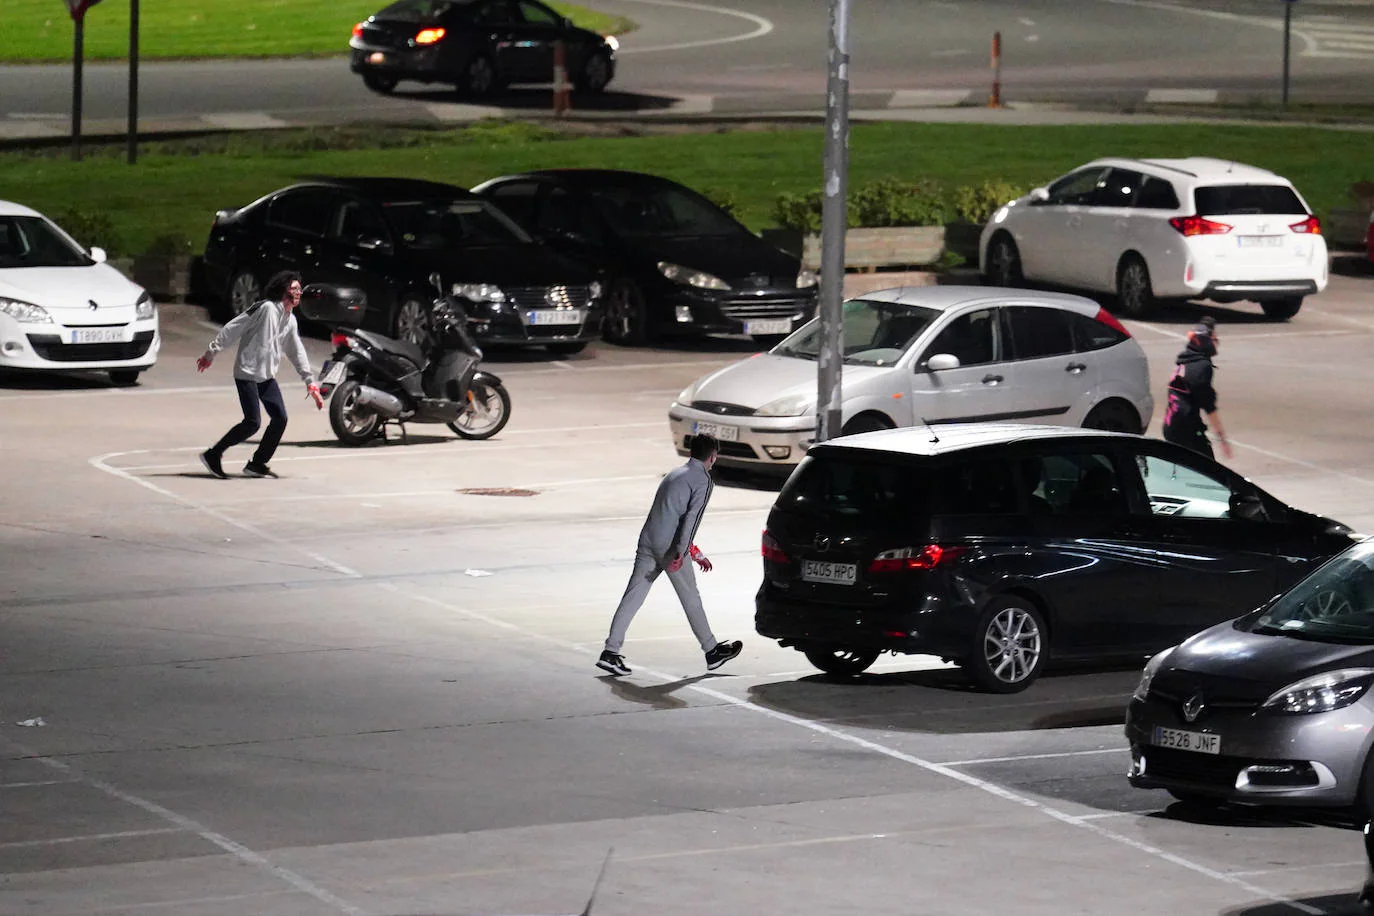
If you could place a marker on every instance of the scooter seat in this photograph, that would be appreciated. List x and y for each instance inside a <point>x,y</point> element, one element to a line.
<point>396,347</point>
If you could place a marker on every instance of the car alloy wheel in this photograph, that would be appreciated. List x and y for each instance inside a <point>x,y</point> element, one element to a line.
<point>244,290</point>
<point>1134,294</point>
<point>385,85</point>
<point>627,319</point>
<point>1004,263</point>
<point>1113,416</point>
<point>596,74</point>
<point>1010,646</point>
<point>480,77</point>
<point>412,323</point>
<point>836,660</point>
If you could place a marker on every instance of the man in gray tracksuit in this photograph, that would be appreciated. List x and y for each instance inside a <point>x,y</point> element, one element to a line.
<point>265,333</point>
<point>665,545</point>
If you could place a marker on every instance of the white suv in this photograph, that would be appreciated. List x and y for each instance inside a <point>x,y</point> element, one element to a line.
<point>1151,230</point>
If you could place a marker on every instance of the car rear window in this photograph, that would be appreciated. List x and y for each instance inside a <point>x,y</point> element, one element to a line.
<point>416,10</point>
<point>1238,199</point>
<point>857,485</point>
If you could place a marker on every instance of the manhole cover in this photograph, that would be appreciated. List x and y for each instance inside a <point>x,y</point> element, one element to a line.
<point>497,491</point>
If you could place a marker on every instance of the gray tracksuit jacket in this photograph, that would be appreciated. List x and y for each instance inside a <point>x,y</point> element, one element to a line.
<point>265,333</point>
<point>676,513</point>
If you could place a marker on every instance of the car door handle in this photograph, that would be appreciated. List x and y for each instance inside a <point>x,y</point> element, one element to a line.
<point>1075,368</point>
<point>991,379</point>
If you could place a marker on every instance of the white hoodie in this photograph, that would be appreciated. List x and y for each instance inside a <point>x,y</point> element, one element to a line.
<point>265,332</point>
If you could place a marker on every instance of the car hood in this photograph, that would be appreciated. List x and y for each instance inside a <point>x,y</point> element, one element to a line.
<point>70,289</point>
<point>1224,651</point>
<point>503,265</point>
<point>760,379</point>
<point>731,258</point>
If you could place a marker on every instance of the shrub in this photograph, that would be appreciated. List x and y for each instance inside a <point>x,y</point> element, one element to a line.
<point>723,198</point>
<point>891,202</point>
<point>802,212</point>
<point>91,229</point>
<point>169,244</point>
<point>976,203</point>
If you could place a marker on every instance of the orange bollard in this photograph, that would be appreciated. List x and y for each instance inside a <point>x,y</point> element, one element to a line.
<point>995,100</point>
<point>562,101</point>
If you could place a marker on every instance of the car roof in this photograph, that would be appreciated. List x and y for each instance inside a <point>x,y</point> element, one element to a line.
<point>943,439</point>
<point>10,208</point>
<point>944,298</point>
<point>1199,169</point>
<point>592,176</point>
<point>389,188</point>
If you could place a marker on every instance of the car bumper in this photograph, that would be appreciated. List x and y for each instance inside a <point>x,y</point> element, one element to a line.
<point>412,63</point>
<point>901,628</point>
<point>1264,759</point>
<point>773,444</point>
<point>771,313</point>
<point>1195,271</point>
<point>51,347</point>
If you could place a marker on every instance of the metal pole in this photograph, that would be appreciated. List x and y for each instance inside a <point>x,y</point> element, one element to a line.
<point>1287,43</point>
<point>995,100</point>
<point>133,81</point>
<point>77,54</point>
<point>830,358</point>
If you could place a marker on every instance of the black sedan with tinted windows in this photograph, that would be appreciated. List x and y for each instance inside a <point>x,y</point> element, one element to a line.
<point>394,238</point>
<point>672,261</point>
<point>476,45</point>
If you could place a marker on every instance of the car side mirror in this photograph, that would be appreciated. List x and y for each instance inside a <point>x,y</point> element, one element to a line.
<point>98,255</point>
<point>942,361</point>
<point>1249,507</point>
<point>1039,196</point>
<point>371,242</point>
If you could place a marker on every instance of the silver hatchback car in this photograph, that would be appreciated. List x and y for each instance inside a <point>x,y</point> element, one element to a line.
<point>1271,708</point>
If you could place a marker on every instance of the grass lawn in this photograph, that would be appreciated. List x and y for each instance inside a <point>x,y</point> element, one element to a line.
<point>177,187</point>
<point>41,30</point>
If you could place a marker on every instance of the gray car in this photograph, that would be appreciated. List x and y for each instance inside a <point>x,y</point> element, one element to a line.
<point>1271,708</point>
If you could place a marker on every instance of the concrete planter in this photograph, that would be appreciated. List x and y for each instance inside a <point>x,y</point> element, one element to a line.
<point>1345,226</point>
<point>889,246</point>
<point>167,277</point>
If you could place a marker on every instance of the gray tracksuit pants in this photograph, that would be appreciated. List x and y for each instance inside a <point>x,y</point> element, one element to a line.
<point>684,581</point>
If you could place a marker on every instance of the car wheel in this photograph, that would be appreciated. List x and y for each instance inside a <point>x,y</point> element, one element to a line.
<point>566,348</point>
<point>837,660</point>
<point>1004,263</point>
<point>1010,645</point>
<point>411,323</point>
<point>627,315</point>
<point>864,423</point>
<point>479,78</point>
<point>351,424</point>
<point>595,75</point>
<point>1281,309</point>
<point>1135,297</point>
<point>1113,416</point>
<point>124,376</point>
<point>244,290</point>
<point>379,83</point>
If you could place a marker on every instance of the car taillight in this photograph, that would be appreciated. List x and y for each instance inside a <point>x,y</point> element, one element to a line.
<point>1310,226</point>
<point>931,556</point>
<point>340,340</point>
<point>1110,321</point>
<point>358,30</point>
<point>1197,225</point>
<point>429,36</point>
<point>772,550</point>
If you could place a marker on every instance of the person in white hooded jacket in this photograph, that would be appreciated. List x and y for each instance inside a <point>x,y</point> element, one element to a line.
<point>265,332</point>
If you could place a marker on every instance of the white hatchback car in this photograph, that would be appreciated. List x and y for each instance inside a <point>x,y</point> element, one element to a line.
<point>1151,230</point>
<point>63,308</point>
<point>927,354</point>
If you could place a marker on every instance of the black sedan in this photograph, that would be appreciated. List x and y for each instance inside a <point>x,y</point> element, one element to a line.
<point>393,238</point>
<point>672,261</point>
<point>477,45</point>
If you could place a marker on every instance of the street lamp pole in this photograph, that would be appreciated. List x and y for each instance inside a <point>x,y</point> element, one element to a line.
<point>830,358</point>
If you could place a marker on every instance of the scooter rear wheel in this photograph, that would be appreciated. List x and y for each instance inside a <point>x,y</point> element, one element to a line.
<point>487,412</point>
<point>352,424</point>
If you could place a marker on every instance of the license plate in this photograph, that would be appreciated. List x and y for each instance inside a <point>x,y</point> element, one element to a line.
<point>770,326</point>
<point>97,335</point>
<point>376,57</point>
<point>332,373</point>
<point>1180,740</point>
<point>554,316</point>
<point>723,433</point>
<point>1259,241</point>
<point>833,573</point>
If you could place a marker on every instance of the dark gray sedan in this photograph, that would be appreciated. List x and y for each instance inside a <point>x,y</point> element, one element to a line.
<point>1272,708</point>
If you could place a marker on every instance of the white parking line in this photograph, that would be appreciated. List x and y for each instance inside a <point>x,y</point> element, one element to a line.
<point>35,784</point>
<point>761,27</point>
<point>1105,750</point>
<point>89,838</point>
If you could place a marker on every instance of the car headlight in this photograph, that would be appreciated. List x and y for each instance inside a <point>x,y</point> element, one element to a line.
<point>1001,213</point>
<point>807,279</point>
<point>594,290</point>
<point>611,42</point>
<point>479,292</point>
<point>1148,675</point>
<point>23,311</point>
<point>145,308</point>
<point>689,277</point>
<point>1322,692</point>
<point>794,405</point>
<point>686,395</point>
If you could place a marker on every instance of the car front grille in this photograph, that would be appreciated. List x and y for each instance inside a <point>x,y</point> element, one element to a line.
<point>1172,687</point>
<point>721,408</point>
<point>743,309</point>
<point>727,449</point>
<point>542,297</point>
<point>51,347</point>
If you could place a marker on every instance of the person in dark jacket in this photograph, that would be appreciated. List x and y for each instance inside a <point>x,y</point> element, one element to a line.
<point>1191,394</point>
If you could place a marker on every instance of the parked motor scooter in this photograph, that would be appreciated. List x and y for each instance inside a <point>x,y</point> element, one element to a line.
<point>372,380</point>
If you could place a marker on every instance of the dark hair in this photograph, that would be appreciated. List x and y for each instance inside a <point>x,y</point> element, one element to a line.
<point>277,286</point>
<point>704,446</point>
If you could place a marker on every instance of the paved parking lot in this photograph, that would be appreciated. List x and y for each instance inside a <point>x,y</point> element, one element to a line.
<point>361,690</point>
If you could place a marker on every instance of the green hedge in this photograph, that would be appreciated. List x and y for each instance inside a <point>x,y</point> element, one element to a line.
<point>893,202</point>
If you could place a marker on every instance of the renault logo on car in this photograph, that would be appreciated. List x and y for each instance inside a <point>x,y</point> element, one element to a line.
<point>94,305</point>
<point>1192,707</point>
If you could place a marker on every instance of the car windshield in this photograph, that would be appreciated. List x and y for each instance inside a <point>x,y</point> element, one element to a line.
<point>649,210</point>
<point>434,225</point>
<point>416,10</point>
<point>1240,199</point>
<point>1334,604</point>
<point>875,333</point>
<point>31,241</point>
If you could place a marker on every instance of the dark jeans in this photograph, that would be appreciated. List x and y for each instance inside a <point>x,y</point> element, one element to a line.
<point>1194,438</point>
<point>250,393</point>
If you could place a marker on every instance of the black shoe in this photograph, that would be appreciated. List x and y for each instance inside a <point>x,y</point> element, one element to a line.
<point>612,662</point>
<point>253,469</point>
<point>722,653</point>
<point>212,464</point>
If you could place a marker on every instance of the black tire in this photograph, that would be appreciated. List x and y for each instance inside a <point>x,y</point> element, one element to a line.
<point>1113,416</point>
<point>495,407</point>
<point>243,290</point>
<point>595,74</point>
<point>411,322</point>
<point>838,660</point>
<point>124,377</point>
<point>380,83</point>
<point>864,423</point>
<point>566,347</point>
<point>350,425</point>
<point>627,315</point>
<point>1004,263</point>
<point>1010,645</point>
<point>479,79</point>
<point>1281,309</point>
<point>1135,295</point>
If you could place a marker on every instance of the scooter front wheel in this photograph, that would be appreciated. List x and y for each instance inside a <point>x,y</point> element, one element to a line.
<point>486,414</point>
<point>353,425</point>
